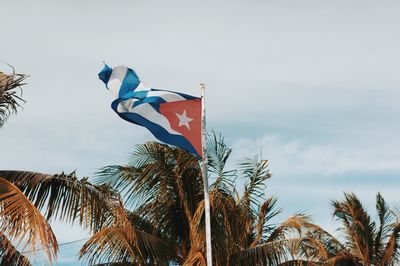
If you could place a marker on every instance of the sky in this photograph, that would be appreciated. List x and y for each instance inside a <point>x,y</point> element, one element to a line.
<point>313,85</point>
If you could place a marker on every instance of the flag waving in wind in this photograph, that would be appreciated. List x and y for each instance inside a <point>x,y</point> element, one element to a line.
<point>172,117</point>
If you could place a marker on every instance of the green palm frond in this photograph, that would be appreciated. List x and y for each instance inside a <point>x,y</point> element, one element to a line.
<point>218,153</point>
<point>256,172</point>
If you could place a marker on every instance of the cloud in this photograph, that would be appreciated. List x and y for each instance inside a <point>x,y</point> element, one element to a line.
<point>308,173</point>
<point>304,157</point>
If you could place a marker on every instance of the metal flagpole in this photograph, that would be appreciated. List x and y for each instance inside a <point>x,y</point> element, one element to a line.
<point>205,176</point>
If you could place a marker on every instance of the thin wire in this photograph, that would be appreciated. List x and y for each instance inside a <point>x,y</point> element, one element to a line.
<point>74,241</point>
<point>62,244</point>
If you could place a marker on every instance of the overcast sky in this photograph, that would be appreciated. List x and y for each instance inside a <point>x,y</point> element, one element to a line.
<point>313,84</point>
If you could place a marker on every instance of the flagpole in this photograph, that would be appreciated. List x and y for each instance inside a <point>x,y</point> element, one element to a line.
<point>205,176</point>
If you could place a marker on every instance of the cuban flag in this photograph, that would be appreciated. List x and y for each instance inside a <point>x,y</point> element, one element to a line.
<point>172,117</point>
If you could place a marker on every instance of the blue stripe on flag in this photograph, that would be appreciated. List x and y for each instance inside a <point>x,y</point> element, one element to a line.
<point>105,74</point>
<point>159,132</point>
<point>129,84</point>
<point>141,95</point>
<point>154,100</point>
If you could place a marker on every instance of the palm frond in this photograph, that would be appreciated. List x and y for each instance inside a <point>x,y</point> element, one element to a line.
<point>197,258</point>
<point>357,225</point>
<point>140,222</point>
<point>21,221</point>
<point>320,244</point>
<point>218,153</point>
<point>115,244</point>
<point>108,245</point>
<point>256,173</point>
<point>9,99</point>
<point>266,212</point>
<point>391,253</point>
<point>300,262</point>
<point>385,218</point>
<point>149,172</point>
<point>9,255</point>
<point>163,184</point>
<point>294,223</point>
<point>270,253</point>
<point>343,260</point>
<point>224,217</point>
<point>67,198</point>
<point>124,263</point>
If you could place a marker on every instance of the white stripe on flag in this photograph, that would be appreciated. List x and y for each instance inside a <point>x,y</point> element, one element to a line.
<point>166,95</point>
<point>148,112</point>
<point>141,87</point>
<point>117,77</point>
<point>126,106</point>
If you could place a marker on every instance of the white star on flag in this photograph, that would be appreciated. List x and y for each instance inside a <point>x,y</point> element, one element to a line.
<point>184,120</point>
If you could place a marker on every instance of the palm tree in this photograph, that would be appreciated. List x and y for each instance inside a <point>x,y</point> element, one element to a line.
<point>366,242</point>
<point>164,223</point>
<point>63,196</point>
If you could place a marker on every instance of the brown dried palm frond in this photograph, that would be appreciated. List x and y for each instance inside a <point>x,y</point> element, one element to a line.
<point>301,263</point>
<point>357,226</point>
<point>9,99</point>
<point>266,212</point>
<point>366,242</point>
<point>284,240</point>
<point>115,244</point>
<point>270,253</point>
<point>123,243</point>
<point>9,255</point>
<point>22,222</point>
<point>65,197</point>
<point>295,222</point>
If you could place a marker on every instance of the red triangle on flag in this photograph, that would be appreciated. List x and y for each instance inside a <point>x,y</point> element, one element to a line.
<point>185,118</point>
